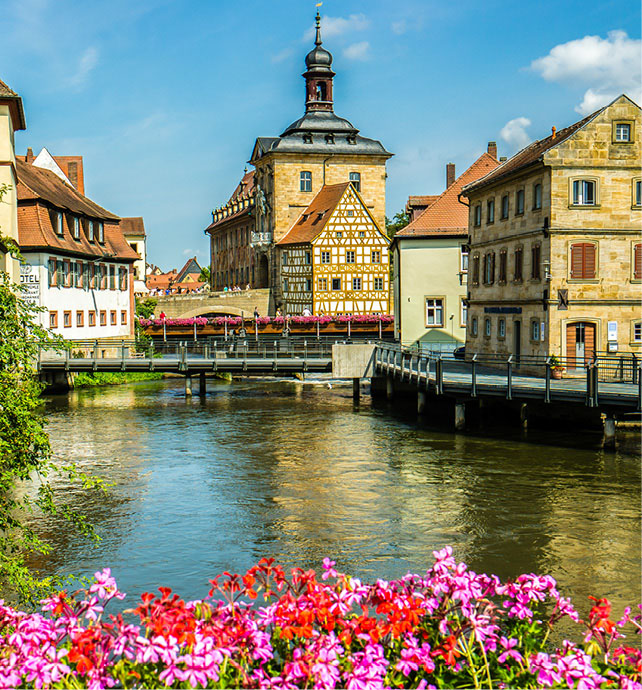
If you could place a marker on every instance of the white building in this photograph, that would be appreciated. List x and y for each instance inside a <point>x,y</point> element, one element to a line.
<point>134,231</point>
<point>78,264</point>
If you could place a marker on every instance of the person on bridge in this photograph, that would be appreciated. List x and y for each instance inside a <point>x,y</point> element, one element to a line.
<point>256,313</point>
<point>306,311</point>
<point>162,316</point>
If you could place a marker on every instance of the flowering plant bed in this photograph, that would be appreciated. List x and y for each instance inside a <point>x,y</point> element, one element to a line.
<point>448,628</point>
<point>271,320</point>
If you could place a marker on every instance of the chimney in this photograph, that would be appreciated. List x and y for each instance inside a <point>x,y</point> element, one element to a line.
<point>29,157</point>
<point>492,149</point>
<point>553,131</point>
<point>72,173</point>
<point>450,174</point>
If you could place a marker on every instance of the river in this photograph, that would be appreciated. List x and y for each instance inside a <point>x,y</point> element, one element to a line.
<point>298,472</point>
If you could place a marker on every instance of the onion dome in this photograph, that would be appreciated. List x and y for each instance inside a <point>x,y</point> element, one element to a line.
<point>318,59</point>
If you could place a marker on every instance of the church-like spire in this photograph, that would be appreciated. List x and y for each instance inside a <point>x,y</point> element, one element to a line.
<point>319,74</point>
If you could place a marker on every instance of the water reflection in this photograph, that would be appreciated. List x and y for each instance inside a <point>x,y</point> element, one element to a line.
<point>297,472</point>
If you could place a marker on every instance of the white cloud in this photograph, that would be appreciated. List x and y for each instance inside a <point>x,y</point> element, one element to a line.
<point>336,26</point>
<point>357,51</point>
<point>606,67</point>
<point>399,27</point>
<point>514,132</point>
<point>87,62</point>
<point>282,55</point>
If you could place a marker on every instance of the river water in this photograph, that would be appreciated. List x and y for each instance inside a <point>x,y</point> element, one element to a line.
<point>298,472</point>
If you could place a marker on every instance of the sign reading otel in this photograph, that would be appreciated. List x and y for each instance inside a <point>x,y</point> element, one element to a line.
<point>30,282</point>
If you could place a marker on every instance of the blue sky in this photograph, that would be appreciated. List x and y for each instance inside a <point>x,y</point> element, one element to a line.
<point>164,98</point>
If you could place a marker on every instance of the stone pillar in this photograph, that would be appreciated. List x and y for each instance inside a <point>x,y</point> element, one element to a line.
<point>356,388</point>
<point>202,385</point>
<point>421,401</point>
<point>390,388</point>
<point>460,416</point>
<point>188,386</point>
<point>609,432</point>
<point>523,415</point>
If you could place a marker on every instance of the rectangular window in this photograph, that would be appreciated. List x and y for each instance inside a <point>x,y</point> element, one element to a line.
<point>51,273</point>
<point>60,280</point>
<point>489,268</point>
<point>637,193</point>
<point>434,311</point>
<point>103,317</point>
<point>583,264</point>
<point>502,266</point>
<point>67,266</point>
<point>535,261</point>
<point>91,318</point>
<point>476,269</point>
<point>112,277</point>
<point>86,277</point>
<point>113,318</point>
<point>308,258</point>
<point>473,326</point>
<point>77,273</point>
<point>76,227</point>
<point>58,221</point>
<point>519,202</point>
<point>375,257</point>
<point>637,262</point>
<point>535,330</point>
<point>101,232</point>
<point>66,319</point>
<point>477,215</point>
<point>490,211</point>
<point>103,277</point>
<point>355,178</point>
<point>90,230</point>
<point>338,234</point>
<point>361,233</point>
<point>505,207</point>
<point>305,181</point>
<point>519,263</point>
<point>463,259</point>
<point>463,313</point>
<point>487,327</point>
<point>501,328</point>
<point>308,284</point>
<point>356,283</point>
<point>583,192</point>
<point>322,284</point>
<point>622,131</point>
<point>378,283</point>
<point>53,319</point>
<point>325,257</point>
<point>349,257</point>
<point>123,318</point>
<point>80,319</point>
<point>284,258</point>
<point>286,285</point>
<point>537,196</point>
<point>637,332</point>
<point>336,283</point>
<point>122,275</point>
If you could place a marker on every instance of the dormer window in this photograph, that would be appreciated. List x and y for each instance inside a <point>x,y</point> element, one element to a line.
<point>76,227</point>
<point>329,138</point>
<point>352,139</point>
<point>90,231</point>
<point>307,138</point>
<point>101,233</point>
<point>58,221</point>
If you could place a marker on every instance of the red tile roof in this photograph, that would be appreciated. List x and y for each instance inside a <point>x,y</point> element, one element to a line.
<point>447,215</point>
<point>38,191</point>
<point>133,227</point>
<point>245,188</point>
<point>532,152</point>
<point>424,200</point>
<point>316,215</point>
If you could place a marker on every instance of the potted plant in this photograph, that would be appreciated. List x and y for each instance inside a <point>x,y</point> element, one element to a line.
<point>556,367</point>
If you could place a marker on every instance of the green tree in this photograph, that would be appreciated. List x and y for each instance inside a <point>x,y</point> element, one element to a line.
<point>205,274</point>
<point>399,221</point>
<point>144,310</point>
<point>25,452</point>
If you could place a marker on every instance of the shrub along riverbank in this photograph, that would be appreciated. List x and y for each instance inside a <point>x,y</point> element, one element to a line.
<point>106,378</point>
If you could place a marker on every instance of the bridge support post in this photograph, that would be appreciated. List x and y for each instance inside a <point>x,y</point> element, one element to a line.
<point>421,401</point>
<point>523,415</point>
<point>609,432</point>
<point>188,386</point>
<point>460,416</point>
<point>390,387</point>
<point>356,388</point>
<point>202,385</point>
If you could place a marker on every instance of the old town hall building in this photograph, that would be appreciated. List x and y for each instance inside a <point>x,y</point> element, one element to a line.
<point>318,151</point>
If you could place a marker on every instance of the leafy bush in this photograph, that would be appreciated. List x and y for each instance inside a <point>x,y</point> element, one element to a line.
<point>450,628</point>
<point>110,378</point>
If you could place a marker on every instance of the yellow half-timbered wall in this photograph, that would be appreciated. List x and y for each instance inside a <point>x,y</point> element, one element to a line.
<point>348,271</point>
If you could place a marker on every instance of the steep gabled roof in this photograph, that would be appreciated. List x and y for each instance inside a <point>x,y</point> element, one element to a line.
<point>447,215</point>
<point>15,106</point>
<point>316,215</point>
<point>39,184</point>
<point>133,227</point>
<point>191,266</point>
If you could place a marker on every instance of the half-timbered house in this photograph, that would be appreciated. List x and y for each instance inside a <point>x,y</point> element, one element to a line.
<point>334,258</point>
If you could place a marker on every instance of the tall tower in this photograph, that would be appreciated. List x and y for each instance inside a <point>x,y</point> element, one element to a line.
<point>318,75</point>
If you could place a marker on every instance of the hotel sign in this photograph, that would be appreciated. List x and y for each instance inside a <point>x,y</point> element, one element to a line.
<point>30,283</point>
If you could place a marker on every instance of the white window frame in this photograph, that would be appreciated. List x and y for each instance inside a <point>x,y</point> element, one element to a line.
<point>435,308</point>
<point>487,327</point>
<point>636,332</point>
<point>325,257</point>
<point>59,228</point>
<point>501,328</point>
<point>535,330</point>
<point>305,181</point>
<point>76,225</point>
<point>463,259</point>
<point>101,232</point>
<point>579,187</point>
<point>626,125</point>
<point>463,312</point>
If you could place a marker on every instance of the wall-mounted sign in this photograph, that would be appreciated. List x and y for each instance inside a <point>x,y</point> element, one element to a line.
<point>30,283</point>
<point>612,330</point>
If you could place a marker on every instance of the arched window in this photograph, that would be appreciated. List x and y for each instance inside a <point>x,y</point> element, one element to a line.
<point>355,178</point>
<point>321,91</point>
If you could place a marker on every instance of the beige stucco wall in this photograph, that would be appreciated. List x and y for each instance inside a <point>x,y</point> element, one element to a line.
<point>9,205</point>
<point>429,268</point>
<point>613,223</point>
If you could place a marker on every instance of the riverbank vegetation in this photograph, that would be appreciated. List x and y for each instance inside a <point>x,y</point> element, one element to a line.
<point>449,628</point>
<point>112,378</point>
<point>25,453</point>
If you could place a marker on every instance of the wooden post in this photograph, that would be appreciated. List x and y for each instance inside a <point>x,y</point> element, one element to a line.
<point>202,385</point>
<point>356,388</point>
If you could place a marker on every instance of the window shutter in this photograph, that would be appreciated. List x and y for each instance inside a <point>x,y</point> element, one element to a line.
<point>576,261</point>
<point>589,261</point>
<point>637,262</point>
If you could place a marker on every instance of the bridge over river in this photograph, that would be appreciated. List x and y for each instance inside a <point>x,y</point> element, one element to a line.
<point>239,303</point>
